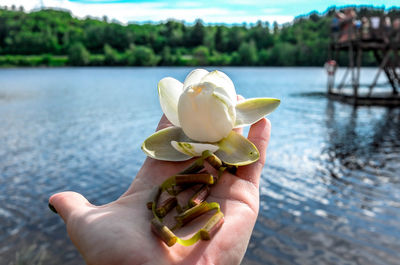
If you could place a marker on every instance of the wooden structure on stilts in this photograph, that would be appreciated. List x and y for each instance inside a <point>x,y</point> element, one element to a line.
<point>355,39</point>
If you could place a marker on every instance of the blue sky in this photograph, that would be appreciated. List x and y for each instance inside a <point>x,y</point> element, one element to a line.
<point>224,11</point>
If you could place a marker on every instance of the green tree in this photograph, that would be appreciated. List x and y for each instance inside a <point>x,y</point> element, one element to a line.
<point>51,34</point>
<point>78,55</point>
<point>197,34</point>
<point>142,56</point>
<point>110,55</point>
<point>248,53</point>
<point>166,56</point>
<point>200,55</point>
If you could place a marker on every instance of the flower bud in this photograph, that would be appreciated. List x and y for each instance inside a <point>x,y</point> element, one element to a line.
<point>205,114</point>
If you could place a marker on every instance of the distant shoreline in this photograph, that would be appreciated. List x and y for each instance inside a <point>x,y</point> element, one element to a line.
<point>55,38</point>
<point>98,60</point>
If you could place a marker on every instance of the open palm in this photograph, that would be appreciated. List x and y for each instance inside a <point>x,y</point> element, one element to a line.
<point>119,232</point>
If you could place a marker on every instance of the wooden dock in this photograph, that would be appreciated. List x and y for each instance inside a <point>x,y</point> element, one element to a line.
<point>354,40</point>
<point>366,99</point>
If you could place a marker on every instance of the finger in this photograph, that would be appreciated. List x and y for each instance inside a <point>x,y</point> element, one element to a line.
<point>239,130</point>
<point>164,123</point>
<point>259,135</point>
<point>67,202</point>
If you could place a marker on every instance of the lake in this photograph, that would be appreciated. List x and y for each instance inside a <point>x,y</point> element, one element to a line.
<point>330,191</point>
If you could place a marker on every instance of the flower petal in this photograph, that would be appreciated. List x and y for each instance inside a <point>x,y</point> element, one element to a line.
<point>194,77</point>
<point>223,83</point>
<point>169,91</point>
<point>205,115</point>
<point>193,149</point>
<point>236,150</point>
<point>158,145</point>
<point>252,110</point>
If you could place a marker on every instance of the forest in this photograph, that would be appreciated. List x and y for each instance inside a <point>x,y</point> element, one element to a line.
<point>49,37</point>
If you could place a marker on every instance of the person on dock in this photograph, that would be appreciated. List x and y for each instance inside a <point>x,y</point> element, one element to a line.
<point>335,25</point>
<point>348,26</point>
<point>365,29</point>
<point>330,67</point>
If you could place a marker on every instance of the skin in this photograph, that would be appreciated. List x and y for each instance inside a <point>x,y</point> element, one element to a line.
<point>119,232</point>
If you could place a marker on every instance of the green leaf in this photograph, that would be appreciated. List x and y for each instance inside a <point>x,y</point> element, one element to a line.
<point>158,145</point>
<point>252,110</point>
<point>236,150</point>
<point>193,149</point>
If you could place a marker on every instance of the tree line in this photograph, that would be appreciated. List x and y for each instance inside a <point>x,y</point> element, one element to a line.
<point>55,38</point>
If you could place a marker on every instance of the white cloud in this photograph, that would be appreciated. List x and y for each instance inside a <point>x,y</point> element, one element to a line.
<point>140,12</point>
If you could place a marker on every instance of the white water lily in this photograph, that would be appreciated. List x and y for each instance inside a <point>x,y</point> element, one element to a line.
<point>204,110</point>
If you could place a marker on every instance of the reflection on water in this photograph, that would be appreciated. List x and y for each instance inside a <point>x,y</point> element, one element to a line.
<point>330,193</point>
<point>349,212</point>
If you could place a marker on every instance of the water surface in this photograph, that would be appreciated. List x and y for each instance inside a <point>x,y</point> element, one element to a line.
<point>330,192</point>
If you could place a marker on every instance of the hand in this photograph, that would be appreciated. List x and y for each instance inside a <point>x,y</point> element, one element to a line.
<point>119,232</point>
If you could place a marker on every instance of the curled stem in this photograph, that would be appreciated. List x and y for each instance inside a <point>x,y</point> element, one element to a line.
<point>178,183</point>
<point>194,212</point>
<point>200,196</point>
<point>205,233</point>
<point>212,159</point>
<point>166,206</point>
<point>175,190</point>
<point>163,232</point>
<point>212,226</point>
<point>194,179</point>
<point>195,167</point>
<point>156,194</point>
<point>187,179</point>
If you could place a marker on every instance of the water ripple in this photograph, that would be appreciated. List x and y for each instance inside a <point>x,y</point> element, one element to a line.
<point>329,194</point>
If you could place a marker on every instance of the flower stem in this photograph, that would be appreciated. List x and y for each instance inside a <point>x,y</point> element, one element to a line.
<point>156,194</point>
<point>212,226</point>
<point>163,232</point>
<point>212,159</point>
<point>195,167</point>
<point>175,190</point>
<point>194,179</point>
<point>200,196</point>
<point>187,179</point>
<point>192,213</point>
<point>166,206</point>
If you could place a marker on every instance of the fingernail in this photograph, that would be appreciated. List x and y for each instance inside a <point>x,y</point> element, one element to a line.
<point>52,208</point>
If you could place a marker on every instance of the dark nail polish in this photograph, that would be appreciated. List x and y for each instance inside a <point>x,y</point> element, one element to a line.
<point>52,208</point>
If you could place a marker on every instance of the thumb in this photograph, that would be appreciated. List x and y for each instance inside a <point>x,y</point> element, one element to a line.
<point>67,202</point>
